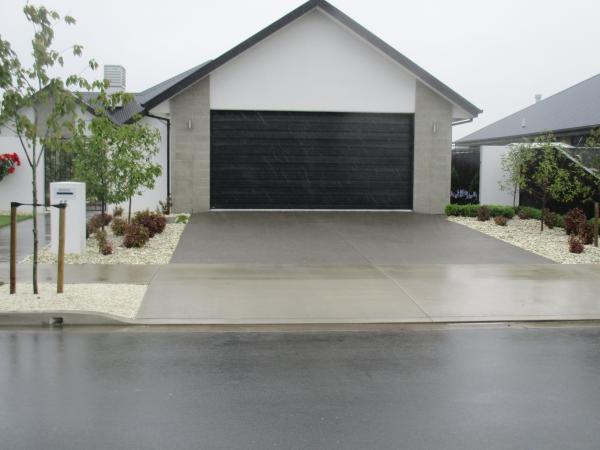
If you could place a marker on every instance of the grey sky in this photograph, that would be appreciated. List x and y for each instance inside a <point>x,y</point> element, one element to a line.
<point>497,53</point>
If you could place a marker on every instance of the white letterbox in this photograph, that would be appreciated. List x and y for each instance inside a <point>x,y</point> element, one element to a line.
<point>73,194</point>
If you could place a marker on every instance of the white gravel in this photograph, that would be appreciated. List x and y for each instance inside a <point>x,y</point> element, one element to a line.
<point>552,244</point>
<point>157,250</point>
<point>121,300</point>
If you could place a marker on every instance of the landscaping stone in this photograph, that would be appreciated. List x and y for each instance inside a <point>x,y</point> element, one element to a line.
<point>551,243</point>
<point>121,300</point>
<point>157,250</point>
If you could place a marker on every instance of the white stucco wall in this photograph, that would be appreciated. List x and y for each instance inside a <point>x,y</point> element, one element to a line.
<point>313,64</point>
<point>491,175</point>
<point>16,187</point>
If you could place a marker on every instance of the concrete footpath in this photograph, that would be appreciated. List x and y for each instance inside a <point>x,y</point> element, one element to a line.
<point>264,294</point>
<point>244,294</point>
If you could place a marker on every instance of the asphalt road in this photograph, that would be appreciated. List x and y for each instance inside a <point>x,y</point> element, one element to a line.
<point>472,388</point>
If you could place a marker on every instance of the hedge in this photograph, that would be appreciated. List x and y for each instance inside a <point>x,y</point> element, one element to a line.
<point>499,210</point>
<point>471,210</point>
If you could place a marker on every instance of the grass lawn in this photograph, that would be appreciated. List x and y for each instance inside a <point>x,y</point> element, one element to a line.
<point>5,219</point>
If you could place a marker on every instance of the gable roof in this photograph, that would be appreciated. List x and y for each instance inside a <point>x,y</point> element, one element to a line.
<point>577,107</point>
<point>188,78</point>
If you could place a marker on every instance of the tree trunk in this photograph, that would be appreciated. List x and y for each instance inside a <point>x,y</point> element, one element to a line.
<point>543,209</point>
<point>35,226</point>
<point>129,212</point>
<point>515,196</point>
<point>102,211</point>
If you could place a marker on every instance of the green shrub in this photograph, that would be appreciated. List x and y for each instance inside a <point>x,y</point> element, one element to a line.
<point>136,236</point>
<point>119,226</point>
<point>501,220</point>
<point>530,213</point>
<point>182,218</point>
<point>471,210</point>
<point>154,222</point>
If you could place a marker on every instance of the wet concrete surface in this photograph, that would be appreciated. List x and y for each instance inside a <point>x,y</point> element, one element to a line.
<point>244,293</point>
<point>24,238</point>
<point>339,238</point>
<point>493,388</point>
<point>85,273</point>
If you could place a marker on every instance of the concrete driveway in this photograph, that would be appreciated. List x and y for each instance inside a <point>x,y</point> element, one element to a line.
<point>273,267</point>
<point>347,238</point>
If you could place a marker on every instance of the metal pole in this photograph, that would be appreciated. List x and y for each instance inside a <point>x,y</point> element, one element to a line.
<point>60,277</point>
<point>596,219</point>
<point>13,248</point>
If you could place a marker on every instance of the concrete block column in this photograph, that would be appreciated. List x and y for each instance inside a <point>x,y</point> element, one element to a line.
<point>432,152</point>
<point>190,147</point>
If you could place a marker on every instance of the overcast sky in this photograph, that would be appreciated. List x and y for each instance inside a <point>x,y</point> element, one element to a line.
<point>496,53</point>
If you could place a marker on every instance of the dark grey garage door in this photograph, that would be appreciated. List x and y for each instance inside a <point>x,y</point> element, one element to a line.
<point>307,160</point>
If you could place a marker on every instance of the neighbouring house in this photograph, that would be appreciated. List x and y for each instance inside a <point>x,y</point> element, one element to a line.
<point>569,115</point>
<point>312,112</point>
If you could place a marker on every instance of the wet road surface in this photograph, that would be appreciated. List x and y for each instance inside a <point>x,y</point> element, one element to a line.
<point>448,388</point>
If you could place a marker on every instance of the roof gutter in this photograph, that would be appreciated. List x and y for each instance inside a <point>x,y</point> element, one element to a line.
<point>168,123</point>
<point>460,122</point>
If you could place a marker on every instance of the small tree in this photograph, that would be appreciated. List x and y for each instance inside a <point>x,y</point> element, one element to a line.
<point>133,160</point>
<point>550,175</point>
<point>514,164</point>
<point>35,104</point>
<point>593,142</point>
<point>115,160</point>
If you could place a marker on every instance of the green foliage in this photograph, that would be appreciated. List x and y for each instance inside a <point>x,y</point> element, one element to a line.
<point>136,236</point>
<point>154,222</point>
<point>527,212</point>
<point>471,210</point>
<point>115,161</point>
<point>184,219</point>
<point>549,175</point>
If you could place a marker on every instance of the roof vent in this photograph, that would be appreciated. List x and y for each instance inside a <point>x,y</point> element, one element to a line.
<point>115,75</point>
<point>538,98</point>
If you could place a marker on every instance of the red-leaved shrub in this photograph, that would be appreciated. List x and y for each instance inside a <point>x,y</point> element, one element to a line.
<point>501,220</point>
<point>483,213</point>
<point>575,245</point>
<point>154,222</point>
<point>573,220</point>
<point>136,236</point>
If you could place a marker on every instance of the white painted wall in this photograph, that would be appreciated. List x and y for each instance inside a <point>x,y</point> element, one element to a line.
<point>491,175</point>
<point>149,198</point>
<point>16,187</point>
<point>313,64</point>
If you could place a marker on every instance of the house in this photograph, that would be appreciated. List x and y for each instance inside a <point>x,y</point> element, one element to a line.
<point>312,112</point>
<point>569,115</point>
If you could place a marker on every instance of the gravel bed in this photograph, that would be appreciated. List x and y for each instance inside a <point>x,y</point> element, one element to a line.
<point>157,250</point>
<point>552,244</point>
<point>121,300</point>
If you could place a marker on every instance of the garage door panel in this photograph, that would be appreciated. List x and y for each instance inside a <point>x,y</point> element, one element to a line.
<point>299,160</point>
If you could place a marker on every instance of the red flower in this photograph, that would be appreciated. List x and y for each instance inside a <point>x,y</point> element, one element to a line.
<point>11,170</point>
